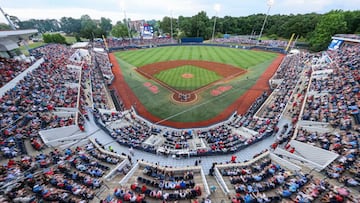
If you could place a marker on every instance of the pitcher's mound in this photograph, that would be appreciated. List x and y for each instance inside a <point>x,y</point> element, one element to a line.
<point>187,75</point>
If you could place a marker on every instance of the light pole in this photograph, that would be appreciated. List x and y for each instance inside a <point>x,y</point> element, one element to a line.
<point>128,26</point>
<point>122,7</point>
<point>217,9</point>
<point>171,26</point>
<point>8,19</point>
<point>269,3</point>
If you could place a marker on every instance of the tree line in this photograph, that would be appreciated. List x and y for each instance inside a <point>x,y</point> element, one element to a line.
<point>314,28</point>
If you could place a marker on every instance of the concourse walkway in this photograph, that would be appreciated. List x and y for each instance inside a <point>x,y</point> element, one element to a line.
<point>206,161</point>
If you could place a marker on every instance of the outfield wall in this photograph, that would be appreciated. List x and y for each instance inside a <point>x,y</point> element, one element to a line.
<point>247,47</point>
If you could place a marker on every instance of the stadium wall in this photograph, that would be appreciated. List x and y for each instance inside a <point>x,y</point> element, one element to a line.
<point>261,48</point>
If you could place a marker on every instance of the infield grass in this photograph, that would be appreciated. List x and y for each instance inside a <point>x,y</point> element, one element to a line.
<point>207,106</point>
<point>200,77</point>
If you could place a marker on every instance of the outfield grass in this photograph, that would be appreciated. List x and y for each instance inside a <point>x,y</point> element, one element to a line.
<point>207,106</point>
<point>201,77</point>
<point>236,57</point>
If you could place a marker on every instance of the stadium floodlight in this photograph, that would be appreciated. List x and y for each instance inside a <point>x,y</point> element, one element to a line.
<point>122,7</point>
<point>217,8</point>
<point>171,25</point>
<point>8,19</point>
<point>269,3</point>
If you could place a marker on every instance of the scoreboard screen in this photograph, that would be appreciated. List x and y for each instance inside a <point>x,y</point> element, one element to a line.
<point>147,31</point>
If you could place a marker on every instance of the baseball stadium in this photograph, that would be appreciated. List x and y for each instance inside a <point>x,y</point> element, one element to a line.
<point>149,111</point>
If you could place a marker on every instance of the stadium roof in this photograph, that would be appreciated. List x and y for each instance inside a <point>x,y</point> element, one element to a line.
<point>9,38</point>
<point>78,45</point>
<point>17,33</point>
<point>347,37</point>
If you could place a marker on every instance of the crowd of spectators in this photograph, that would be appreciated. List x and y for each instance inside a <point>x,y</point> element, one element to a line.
<point>103,62</point>
<point>334,101</point>
<point>175,139</point>
<point>289,72</point>
<point>247,40</point>
<point>337,96</point>
<point>132,135</point>
<point>127,43</point>
<point>10,68</point>
<point>95,75</point>
<point>267,181</point>
<point>70,175</point>
<point>167,183</point>
<point>345,143</point>
<point>30,105</point>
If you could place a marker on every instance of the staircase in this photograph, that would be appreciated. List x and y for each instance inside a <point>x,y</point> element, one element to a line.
<point>218,195</point>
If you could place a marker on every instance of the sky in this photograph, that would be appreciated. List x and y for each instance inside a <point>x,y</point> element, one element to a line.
<point>157,9</point>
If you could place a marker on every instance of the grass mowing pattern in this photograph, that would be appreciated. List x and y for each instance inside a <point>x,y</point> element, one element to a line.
<point>236,57</point>
<point>201,77</point>
<point>208,106</point>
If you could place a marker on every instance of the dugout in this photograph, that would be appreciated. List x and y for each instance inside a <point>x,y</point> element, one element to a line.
<point>191,40</point>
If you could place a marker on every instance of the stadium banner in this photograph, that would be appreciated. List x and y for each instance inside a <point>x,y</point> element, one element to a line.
<point>335,44</point>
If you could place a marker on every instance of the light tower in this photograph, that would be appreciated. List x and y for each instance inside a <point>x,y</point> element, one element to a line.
<point>217,9</point>
<point>122,7</point>
<point>269,3</point>
<point>171,25</point>
<point>8,19</point>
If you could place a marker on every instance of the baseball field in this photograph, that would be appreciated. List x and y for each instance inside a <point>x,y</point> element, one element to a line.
<point>218,76</point>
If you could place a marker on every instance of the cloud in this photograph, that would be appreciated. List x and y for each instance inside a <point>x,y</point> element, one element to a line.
<point>157,9</point>
<point>307,6</point>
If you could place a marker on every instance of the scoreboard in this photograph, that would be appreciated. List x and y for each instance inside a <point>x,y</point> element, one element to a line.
<point>147,31</point>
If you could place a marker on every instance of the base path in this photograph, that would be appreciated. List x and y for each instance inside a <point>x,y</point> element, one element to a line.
<point>240,105</point>
<point>226,71</point>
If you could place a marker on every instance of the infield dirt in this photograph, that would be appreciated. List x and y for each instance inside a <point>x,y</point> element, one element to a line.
<point>240,105</point>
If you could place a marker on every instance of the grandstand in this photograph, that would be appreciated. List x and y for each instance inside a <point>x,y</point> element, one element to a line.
<point>66,137</point>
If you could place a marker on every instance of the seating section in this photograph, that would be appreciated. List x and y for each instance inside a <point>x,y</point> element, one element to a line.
<point>10,68</point>
<point>30,105</point>
<point>309,90</point>
<point>122,43</point>
<point>72,175</point>
<point>267,181</point>
<point>162,183</point>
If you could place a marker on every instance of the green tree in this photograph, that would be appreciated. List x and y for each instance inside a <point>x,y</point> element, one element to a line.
<point>70,25</point>
<point>42,25</point>
<point>201,26</point>
<point>120,30</point>
<point>352,19</point>
<point>329,24</point>
<point>54,38</point>
<point>185,26</point>
<point>88,27</point>
<point>4,26</point>
<point>165,25</point>
<point>105,25</point>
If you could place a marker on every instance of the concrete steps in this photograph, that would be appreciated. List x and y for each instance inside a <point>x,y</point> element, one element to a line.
<point>218,195</point>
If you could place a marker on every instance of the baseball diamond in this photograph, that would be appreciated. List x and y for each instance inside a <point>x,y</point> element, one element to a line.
<point>246,72</point>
